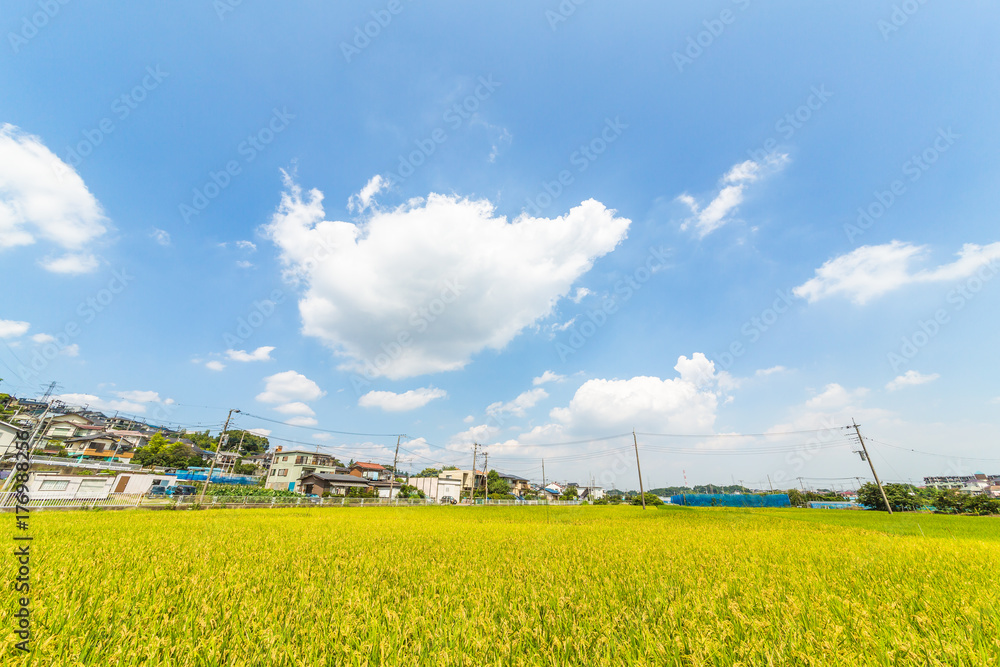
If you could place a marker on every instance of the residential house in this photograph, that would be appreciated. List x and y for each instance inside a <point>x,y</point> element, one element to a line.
<point>438,487</point>
<point>993,491</point>
<point>70,425</point>
<point>288,466</point>
<point>99,446</point>
<point>373,472</point>
<point>51,486</point>
<point>8,434</point>
<point>518,485</point>
<point>591,493</point>
<point>467,479</point>
<point>337,484</point>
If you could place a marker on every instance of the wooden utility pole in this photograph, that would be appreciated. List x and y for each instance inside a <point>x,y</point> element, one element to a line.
<point>211,468</point>
<point>395,458</point>
<point>472,492</point>
<point>486,469</point>
<point>543,482</point>
<point>642,493</point>
<point>769,483</point>
<point>872,466</point>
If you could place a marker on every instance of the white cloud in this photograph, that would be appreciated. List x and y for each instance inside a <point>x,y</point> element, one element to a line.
<point>260,354</point>
<point>764,372</point>
<point>363,199</point>
<point>13,328</point>
<point>301,421</point>
<point>716,213</point>
<point>296,408</point>
<point>42,198</point>
<point>444,273</point>
<point>246,245</point>
<point>408,400</point>
<point>214,365</point>
<point>287,387</point>
<point>835,396</point>
<point>71,350</point>
<point>96,403</point>
<point>482,433</point>
<point>581,292</point>
<point>469,418</point>
<point>871,271</point>
<point>548,376</point>
<point>70,263</point>
<point>520,405</point>
<point>685,404</point>
<point>161,236</point>
<point>263,432</point>
<point>910,379</point>
<point>244,264</point>
<point>41,338</point>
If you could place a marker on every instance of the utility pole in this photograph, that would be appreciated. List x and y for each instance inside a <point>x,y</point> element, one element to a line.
<point>211,468</point>
<point>769,483</point>
<point>395,458</point>
<point>472,492</point>
<point>486,469</point>
<point>642,493</point>
<point>543,482</point>
<point>872,465</point>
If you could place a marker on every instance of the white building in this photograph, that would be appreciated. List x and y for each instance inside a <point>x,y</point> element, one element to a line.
<point>437,488</point>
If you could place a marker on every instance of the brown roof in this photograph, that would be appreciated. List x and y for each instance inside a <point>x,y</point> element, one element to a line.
<point>367,466</point>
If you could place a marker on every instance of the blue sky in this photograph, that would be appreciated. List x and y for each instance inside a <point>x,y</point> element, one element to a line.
<point>581,219</point>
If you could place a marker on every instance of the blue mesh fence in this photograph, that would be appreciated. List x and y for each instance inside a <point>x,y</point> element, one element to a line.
<point>731,500</point>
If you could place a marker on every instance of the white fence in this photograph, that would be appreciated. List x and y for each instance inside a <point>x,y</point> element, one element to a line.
<point>9,502</point>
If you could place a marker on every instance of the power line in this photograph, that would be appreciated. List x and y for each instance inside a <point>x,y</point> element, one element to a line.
<point>323,430</point>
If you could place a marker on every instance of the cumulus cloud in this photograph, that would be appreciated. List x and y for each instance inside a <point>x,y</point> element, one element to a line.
<point>288,387</point>
<point>260,354</point>
<point>871,271</point>
<point>408,400</point>
<point>263,432</point>
<point>42,198</point>
<point>423,287</point>
<point>519,406</point>
<point>764,372</point>
<point>548,376</point>
<point>246,245</point>
<point>94,402</point>
<point>684,404</point>
<point>301,421</point>
<point>482,433</point>
<point>214,365</point>
<point>139,396</point>
<point>295,408</point>
<point>835,396</point>
<point>363,199</point>
<point>14,329</point>
<point>717,212</point>
<point>910,379</point>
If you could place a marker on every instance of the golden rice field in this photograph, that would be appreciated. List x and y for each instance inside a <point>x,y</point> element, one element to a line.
<point>510,586</point>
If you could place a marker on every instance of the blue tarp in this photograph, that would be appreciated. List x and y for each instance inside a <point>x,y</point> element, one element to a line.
<point>217,477</point>
<point>832,505</point>
<point>731,500</point>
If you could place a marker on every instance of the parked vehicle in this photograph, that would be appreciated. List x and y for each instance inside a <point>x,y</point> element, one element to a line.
<point>183,490</point>
<point>448,500</point>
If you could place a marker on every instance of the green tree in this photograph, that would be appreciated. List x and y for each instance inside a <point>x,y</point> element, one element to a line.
<point>161,452</point>
<point>651,499</point>
<point>252,443</point>
<point>902,497</point>
<point>570,493</point>
<point>428,472</point>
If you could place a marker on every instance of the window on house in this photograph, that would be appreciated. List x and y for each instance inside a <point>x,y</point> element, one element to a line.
<point>92,485</point>
<point>284,458</point>
<point>53,485</point>
<point>283,472</point>
<point>299,460</point>
<point>273,471</point>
